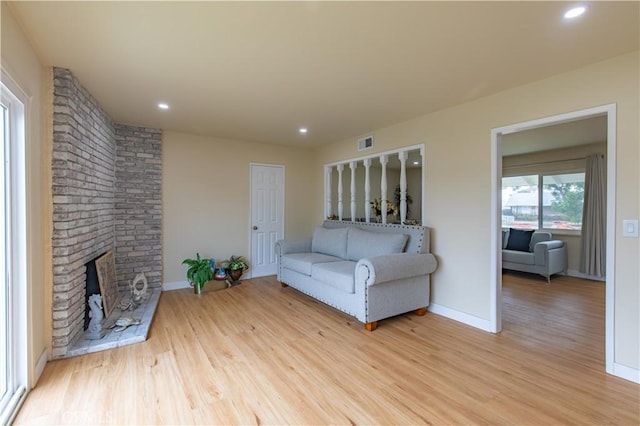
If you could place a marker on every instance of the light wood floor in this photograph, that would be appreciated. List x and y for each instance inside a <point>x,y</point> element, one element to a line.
<point>261,354</point>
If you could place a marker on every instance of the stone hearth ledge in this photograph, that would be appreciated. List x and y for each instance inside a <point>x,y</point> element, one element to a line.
<point>114,339</point>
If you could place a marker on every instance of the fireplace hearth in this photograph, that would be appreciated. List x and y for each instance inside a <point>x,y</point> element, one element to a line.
<point>133,334</point>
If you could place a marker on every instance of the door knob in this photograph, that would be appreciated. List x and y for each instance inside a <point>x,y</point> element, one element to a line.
<point>255,228</point>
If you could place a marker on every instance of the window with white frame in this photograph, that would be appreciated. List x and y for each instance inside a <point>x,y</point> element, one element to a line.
<point>4,289</point>
<point>543,201</point>
<point>13,282</point>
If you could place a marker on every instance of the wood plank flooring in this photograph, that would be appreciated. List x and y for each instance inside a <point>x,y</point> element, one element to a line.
<point>261,354</point>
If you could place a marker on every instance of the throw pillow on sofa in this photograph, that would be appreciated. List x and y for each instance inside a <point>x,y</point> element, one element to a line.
<point>519,239</point>
<point>505,238</point>
<point>362,244</point>
<point>332,242</point>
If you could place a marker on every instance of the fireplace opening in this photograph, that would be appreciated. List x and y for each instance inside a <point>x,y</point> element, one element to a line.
<point>92,287</point>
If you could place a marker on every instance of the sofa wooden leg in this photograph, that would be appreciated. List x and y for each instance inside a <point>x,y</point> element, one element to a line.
<point>283,285</point>
<point>421,311</point>
<point>370,326</point>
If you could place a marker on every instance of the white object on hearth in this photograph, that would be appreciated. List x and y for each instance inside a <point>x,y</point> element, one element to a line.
<point>94,331</point>
<point>139,292</point>
<point>123,322</point>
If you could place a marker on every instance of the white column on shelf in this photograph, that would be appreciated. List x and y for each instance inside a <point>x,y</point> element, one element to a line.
<point>383,188</point>
<point>422,179</point>
<point>352,166</point>
<point>327,176</point>
<point>402,156</point>
<point>367,190</point>
<point>340,203</point>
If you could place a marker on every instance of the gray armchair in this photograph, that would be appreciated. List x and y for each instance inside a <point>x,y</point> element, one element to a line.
<point>545,256</point>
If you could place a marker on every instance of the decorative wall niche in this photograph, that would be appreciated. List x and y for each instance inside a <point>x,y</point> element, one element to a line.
<point>355,189</point>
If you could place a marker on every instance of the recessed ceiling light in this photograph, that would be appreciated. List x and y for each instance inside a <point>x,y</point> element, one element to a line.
<point>574,12</point>
<point>162,105</point>
<point>302,130</point>
<point>415,163</point>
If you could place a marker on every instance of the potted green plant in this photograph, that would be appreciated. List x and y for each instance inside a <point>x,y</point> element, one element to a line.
<point>235,267</point>
<point>199,272</point>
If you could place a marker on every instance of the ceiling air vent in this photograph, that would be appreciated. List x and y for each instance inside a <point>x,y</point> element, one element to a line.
<point>365,143</point>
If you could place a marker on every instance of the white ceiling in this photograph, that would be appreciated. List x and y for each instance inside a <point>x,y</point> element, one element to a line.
<point>257,71</point>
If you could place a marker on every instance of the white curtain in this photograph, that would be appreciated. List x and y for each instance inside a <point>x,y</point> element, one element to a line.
<point>594,220</point>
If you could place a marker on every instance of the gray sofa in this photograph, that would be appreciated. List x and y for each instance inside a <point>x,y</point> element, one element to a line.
<point>541,255</point>
<point>370,271</point>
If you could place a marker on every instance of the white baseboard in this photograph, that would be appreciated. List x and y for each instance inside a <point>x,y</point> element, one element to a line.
<point>627,373</point>
<point>176,285</point>
<point>578,274</point>
<point>462,317</point>
<point>42,362</point>
<point>619,370</point>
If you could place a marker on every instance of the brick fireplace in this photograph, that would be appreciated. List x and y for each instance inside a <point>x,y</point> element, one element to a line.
<point>107,189</point>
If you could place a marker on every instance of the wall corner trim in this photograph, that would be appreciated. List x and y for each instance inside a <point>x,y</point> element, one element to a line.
<point>578,274</point>
<point>624,372</point>
<point>42,362</point>
<point>473,321</point>
<point>175,285</point>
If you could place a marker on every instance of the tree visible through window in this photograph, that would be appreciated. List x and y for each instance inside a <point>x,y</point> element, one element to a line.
<point>565,211</point>
<point>558,206</point>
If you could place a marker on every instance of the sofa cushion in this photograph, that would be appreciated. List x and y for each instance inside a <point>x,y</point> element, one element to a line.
<point>338,275</point>
<point>538,237</point>
<point>302,262</point>
<point>362,244</point>
<point>514,256</point>
<point>519,239</point>
<point>330,241</point>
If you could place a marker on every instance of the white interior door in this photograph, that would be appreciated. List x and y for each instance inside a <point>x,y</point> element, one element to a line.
<point>267,217</point>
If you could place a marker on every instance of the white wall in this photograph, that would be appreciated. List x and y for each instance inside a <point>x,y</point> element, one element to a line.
<point>22,65</point>
<point>205,196</point>
<point>458,175</point>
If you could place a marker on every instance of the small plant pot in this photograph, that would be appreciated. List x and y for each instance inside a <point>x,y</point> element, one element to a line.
<point>234,275</point>
<point>220,274</point>
<point>196,289</point>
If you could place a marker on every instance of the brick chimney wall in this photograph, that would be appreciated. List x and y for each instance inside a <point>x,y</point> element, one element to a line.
<point>138,205</point>
<point>107,186</point>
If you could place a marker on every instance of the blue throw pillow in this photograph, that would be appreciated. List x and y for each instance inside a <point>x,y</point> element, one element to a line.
<point>519,239</point>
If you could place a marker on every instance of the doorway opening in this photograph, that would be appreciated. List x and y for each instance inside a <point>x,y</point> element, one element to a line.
<point>498,136</point>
